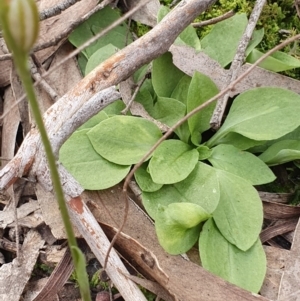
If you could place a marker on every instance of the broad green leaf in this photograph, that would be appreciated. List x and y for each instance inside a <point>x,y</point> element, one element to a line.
<point>244,269</point>
<point>261,114</point>
<point>81,273</point>
<point>281,152</point>
<point>239,141</point>
<point>201,89</point>
<point>172,162</point>
<point>91,170</point>
<point>168,110</point>
<point>144,179</point>
<point>118,36</point>
<point>189,37</point>
<point>276,62</point>
<point>94,121</point>
<point>124,140</point>
<point>100,56</point>
<point>163,11</point>
<point>178,225</point>
<point>180,93</point>
<point>181,90</point>
<point>294,135</point>
<point>241,163</point>
<point>115,108</point>
<point>201,187</point>
<point>168,194</point>
<point>165,75</point>
<point>222,42</point>
<point>239,214</point>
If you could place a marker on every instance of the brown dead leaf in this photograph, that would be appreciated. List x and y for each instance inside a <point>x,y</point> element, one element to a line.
<point>137,254</point>
<point>289,289</point>
<point>276,259</point>
<point>17,273</point>
<point>147,14</point>
<point>188,60</point>
<point>5,67</point>
<point>7,215</point>
<point>274,210</point>
<point>10,126</point>
<point>51,213</point>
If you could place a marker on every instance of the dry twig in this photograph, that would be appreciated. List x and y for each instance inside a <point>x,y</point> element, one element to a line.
<point>237,62</point>
<point>214,20</point>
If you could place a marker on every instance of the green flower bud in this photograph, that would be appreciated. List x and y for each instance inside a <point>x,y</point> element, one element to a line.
<point>21,24</point>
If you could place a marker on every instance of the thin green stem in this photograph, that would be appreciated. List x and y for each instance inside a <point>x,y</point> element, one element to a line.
<point>21,63</point>
<point>20,56</point>
<point>26,79</point>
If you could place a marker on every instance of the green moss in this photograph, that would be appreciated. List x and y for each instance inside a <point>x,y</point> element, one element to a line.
<point>139,29</point>
<point>277,16</point>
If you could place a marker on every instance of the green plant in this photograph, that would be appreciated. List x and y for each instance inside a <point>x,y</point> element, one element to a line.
<point>20,24</point>
<point>197,188</point>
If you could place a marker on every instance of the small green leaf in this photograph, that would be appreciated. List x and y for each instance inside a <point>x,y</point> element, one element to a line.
<point>241,163</point>
<point>261,114</point>
<point>178,225</point>
<point>187,37</point>
<point>168,110</point>
<point>222,42</point>
<point>82,61</point>
<point>201,89</point>
<point>281,152</point>
<point>81,274</point>
<point>91,170</point>
<point>100,56</point>
<point>255,40</point>
<point>145,98</point>
<point>144,179</point>
<point>244,269</point>
<point>276,62</point>
<point>204,152</point>
<point>239,214</point>
<point>163,11</point>
<point>165,75</point>
<point>201,187</point>
<point>124,140</point>
<point>118,36</point>
<point>140,73</point>
<point>172,162</point>
<point>180,93</point>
